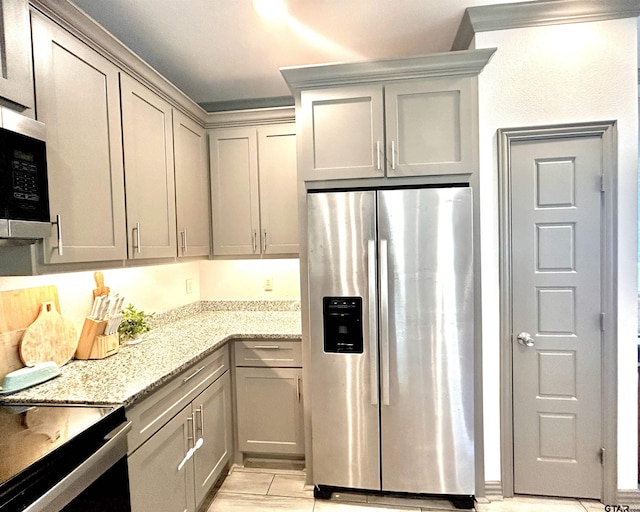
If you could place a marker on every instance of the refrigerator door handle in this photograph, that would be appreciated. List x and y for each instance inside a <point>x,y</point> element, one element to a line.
<point>373,320</point>
<point>384,321</point>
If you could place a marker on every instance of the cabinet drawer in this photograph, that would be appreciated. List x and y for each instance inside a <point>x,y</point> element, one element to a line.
<point>275,353</point>
<point>149,415</point>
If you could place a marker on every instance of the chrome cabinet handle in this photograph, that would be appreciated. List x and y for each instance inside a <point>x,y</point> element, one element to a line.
<point>137,231</point>
<point>524,338</point>
<point>183,235</point>
<point>187,379</point>
<point>378,153</point>
<point>267,347</point>
<point>298,387</point>
<point>200,424</point>
<point>255,240</point>
<point>58,224</point>
<point>191,435</point>
<point>393,154</point>
<point>373,320</point>
<point>384,321</point>
<point>264,241</point>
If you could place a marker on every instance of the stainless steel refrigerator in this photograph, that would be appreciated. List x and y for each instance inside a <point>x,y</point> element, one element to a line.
<point>391,337</point>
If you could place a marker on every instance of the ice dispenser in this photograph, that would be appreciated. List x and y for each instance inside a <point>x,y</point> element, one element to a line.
<point>342,325</point>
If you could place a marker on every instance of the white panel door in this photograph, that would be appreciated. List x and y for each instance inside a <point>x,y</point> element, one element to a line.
<point>556,213</point>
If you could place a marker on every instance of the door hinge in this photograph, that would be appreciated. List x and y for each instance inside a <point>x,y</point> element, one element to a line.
<point>602,321</point>
<point>602,455</point>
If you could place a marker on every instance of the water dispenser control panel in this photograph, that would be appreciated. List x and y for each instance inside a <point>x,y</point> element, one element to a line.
<point>342,325</point>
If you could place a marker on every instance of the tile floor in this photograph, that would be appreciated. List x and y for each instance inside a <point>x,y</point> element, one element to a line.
<point>266,490</point>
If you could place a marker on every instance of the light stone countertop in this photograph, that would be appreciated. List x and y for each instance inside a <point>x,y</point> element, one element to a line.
<point>165,351</point>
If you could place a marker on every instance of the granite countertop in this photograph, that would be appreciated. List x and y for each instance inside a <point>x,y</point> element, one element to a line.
<point>181,338</point>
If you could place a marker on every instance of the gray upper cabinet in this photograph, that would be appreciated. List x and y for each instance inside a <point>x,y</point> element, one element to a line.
<point>234,191</point>
<point>192,186</point>
<point>278,189</point>
<point>78,100</point>
<point>429,127</point>
<point>16,78</point>
<point>405,128</point>
<point>343,133</point>
<point>149,172</point>
<point>253,190</point>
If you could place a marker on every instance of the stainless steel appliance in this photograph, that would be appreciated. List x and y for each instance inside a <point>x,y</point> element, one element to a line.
<point>63,458</point>
<point>24,193</point>
<point>391,335</point>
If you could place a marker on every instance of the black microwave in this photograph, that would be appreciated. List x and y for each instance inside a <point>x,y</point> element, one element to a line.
<point>24,192</point>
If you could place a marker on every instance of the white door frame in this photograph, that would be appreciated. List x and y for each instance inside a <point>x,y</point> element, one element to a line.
<point>607,132</point>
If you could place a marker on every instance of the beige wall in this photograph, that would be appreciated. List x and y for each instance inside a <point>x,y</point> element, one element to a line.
<point>152,289</point>
<point>556,75</point>
<point>244,279</point>
<point>161,287</point>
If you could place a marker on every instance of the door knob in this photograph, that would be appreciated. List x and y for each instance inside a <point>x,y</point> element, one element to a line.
<point>524,338</point>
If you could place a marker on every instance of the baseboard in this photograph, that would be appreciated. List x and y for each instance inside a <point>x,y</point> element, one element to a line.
<point>493,490</point>
<point>630,497</point>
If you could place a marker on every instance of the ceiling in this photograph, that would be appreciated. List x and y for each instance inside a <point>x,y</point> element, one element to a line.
<point>224,55</point>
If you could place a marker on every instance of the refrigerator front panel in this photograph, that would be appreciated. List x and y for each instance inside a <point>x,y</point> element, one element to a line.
<point>426,290</point>
<point>345,412</point>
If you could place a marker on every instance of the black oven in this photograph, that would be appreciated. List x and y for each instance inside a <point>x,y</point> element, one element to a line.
<point>63,459</point>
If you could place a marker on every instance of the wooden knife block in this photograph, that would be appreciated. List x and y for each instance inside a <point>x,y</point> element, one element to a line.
<point>93,343</point>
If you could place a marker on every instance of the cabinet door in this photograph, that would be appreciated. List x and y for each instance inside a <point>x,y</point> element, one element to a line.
<point>155,481</point>
<point>212,411</point>
<point>78,100</point>
<point>234,191</point>
<point>192,186</point>
<point>269,404</point>
<point>429,125</point>
<point>149,176</point>
<point>342,133</point>
<point>278,189</point>
<point>16,79</point>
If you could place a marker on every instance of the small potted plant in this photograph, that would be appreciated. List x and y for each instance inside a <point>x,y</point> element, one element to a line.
<point>133,325</point>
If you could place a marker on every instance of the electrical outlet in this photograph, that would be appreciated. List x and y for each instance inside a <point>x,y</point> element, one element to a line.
<point>189,285</point>
<point>268,284</point>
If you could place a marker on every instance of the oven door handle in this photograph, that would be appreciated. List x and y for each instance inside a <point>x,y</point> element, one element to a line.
<point>86,473</point>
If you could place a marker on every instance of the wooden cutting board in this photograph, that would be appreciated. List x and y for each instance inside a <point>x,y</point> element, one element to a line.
<point>18,309</point>
<point>51,337</point>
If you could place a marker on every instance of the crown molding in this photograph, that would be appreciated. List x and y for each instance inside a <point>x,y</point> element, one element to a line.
<point>539,13</point>
<point>459,63</point>
<point>85,28</point>
<point>251,117</point>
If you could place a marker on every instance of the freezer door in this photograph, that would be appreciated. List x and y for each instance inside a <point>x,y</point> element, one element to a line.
<point>426,340</point>
<point>344,386</point>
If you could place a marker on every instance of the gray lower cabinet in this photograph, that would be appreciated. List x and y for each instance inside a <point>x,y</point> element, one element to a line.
<point>154,479</point>
<point>268,377</point>
<point>212,416</point>
<point>182,437</point>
